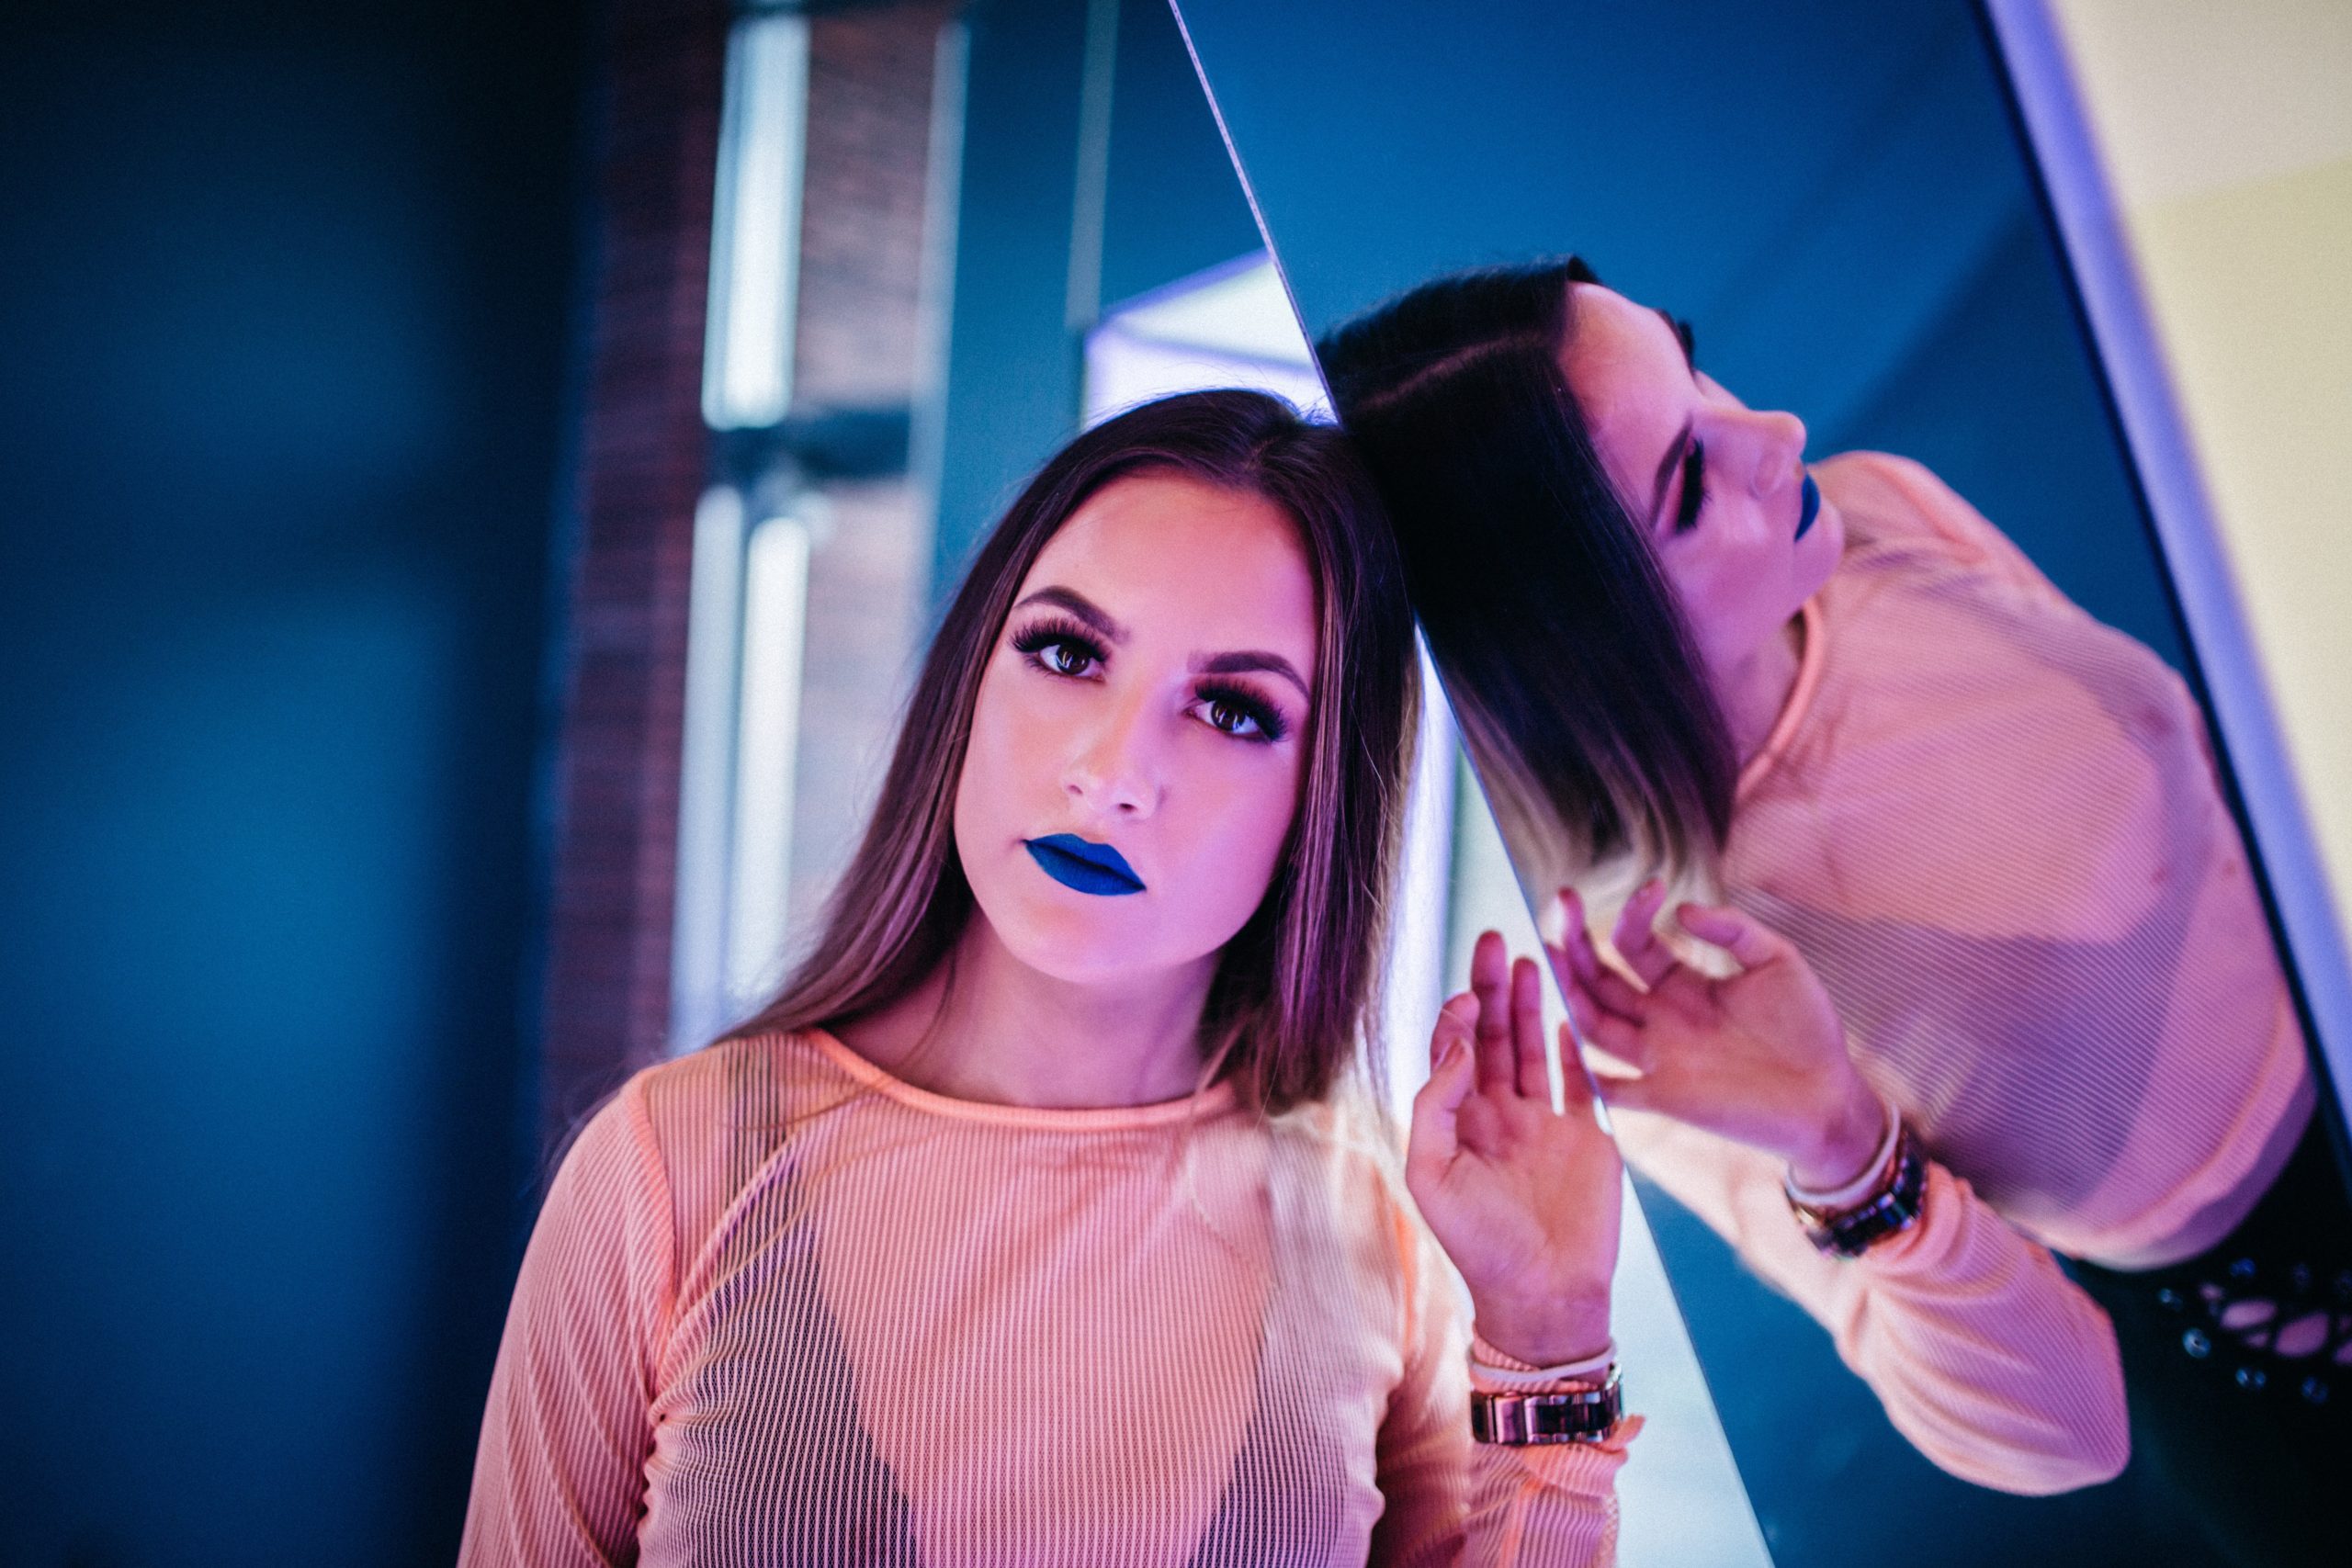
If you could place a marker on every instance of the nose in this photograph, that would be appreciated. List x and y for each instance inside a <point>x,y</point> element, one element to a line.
<point>1778,439</point>
<point>1114,769</point>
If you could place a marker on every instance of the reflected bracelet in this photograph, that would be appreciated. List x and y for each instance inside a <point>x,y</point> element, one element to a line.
<point>1888,1206</point>
<point>1579,1416</point>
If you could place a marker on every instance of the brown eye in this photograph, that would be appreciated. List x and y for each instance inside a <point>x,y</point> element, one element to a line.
<point>1058,650</point>
<point>1232,720</point>
<point>1241,713</point>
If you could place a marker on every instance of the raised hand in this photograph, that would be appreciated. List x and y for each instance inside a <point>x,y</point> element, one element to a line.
<point>1524,1200</point>
<point>1760,1057</point>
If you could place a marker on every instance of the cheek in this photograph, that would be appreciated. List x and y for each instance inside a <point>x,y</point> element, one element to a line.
<point>992,757</point>
<point>1235,837</point>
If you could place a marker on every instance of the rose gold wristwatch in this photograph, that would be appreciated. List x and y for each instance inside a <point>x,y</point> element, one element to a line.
<point>1580,1415</point>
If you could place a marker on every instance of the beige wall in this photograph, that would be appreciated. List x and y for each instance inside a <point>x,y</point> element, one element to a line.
<point>2225,128</point>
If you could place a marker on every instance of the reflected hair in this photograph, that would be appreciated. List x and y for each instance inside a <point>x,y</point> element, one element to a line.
<point>1294,997</point>
<point>1579,692</point>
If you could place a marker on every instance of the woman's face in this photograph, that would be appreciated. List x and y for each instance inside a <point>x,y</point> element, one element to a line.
<point>1718,488</point>
<point>1140,731</point>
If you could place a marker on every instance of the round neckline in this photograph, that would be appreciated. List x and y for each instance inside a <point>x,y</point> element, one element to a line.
<point>1200,1105</point>
<point>1799,701</point>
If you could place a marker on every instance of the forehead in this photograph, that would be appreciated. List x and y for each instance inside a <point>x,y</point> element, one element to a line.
<point>1179,560</point>
<point>1629,376</point>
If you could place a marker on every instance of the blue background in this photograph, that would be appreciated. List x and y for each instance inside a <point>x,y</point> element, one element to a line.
<point>285,300</point>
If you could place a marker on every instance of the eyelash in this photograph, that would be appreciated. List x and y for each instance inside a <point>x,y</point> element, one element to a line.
<point>1243,701</point>
<point>1694,487</point>
<point>1033,642</point>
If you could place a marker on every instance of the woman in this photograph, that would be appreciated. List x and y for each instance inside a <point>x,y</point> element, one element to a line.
<point>1842,699</point>
<point>1035,1221</point>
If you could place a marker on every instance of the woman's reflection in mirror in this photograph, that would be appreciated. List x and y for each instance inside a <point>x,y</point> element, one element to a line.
<point>1973,922</point>
<point>1046,1216</point>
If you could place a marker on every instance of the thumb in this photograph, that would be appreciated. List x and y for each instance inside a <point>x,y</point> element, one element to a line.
<point>1434,1141</point>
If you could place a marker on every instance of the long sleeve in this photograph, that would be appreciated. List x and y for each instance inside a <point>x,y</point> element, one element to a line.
<point>560,1475</point>
<point>1451,1500</point>
<point>1984,1355</point>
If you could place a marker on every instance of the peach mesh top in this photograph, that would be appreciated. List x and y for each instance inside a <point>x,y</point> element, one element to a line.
<point>1992,823</point>
<point>1991,826</point>
<point>782,1307</point>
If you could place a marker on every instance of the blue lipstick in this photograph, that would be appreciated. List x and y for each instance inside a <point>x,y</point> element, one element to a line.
<point>1812,507</point>
<point>1087,867</point>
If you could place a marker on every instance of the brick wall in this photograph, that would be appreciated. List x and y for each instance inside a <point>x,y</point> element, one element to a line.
<point>642,453</point>
<point>645,458</point>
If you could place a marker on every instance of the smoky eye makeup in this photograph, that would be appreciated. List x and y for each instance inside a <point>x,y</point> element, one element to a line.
<point>1694,487</point>
<point>1059,645</point>
<point>1233,708</point>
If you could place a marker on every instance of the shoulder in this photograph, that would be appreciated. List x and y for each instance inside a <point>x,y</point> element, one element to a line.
<point>1891,496</point>
<point>680,1135</point>
<point>1904,524</point>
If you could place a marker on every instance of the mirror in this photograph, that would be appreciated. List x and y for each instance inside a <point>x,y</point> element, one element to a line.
<point>1927,724</point>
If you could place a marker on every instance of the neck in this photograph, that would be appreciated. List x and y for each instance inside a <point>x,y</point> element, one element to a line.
<point>1755,693</point>
<point>989,1028</point>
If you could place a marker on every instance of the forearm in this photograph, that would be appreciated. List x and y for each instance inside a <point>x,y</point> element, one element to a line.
<point>1985,1356</point>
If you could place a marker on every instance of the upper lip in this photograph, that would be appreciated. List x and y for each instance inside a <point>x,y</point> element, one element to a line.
<point>1101,856</point>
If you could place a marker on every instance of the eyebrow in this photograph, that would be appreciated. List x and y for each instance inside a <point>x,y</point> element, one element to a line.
<point>1681,337</point>
<point>1080,605</point>
<point>1252,661</point>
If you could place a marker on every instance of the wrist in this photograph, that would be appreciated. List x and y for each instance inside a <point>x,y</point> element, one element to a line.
<point>1543,1334</point>
<point>1849,1143</point>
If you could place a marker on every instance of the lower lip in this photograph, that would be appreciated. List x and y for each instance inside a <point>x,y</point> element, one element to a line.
<point>1081,875</point>
<point>1812,508</point>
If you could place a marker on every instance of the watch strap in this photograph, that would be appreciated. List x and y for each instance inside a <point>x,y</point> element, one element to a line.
<point>1890,1207</point>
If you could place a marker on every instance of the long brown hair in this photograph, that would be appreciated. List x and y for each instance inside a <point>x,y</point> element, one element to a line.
<point>1568,660</point>
<point>1293,994</point>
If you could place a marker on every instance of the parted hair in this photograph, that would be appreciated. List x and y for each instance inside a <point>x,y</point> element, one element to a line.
<point>1294,999</point>
<point>1579,692</point>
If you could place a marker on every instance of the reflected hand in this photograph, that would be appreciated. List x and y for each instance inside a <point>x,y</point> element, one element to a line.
<point>1760,1057</point>
<point>1524,1201</point>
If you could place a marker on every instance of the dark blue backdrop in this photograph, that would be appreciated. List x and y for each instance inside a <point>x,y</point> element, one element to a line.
<point>284,309</point>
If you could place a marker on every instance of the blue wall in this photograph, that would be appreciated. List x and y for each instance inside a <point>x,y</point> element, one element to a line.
<point>1171,207</point>
<point>284,306</point>
<point>1828,189</point>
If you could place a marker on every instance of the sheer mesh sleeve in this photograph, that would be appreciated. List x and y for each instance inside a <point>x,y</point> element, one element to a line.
<point>1451,1500</point>
<point>1985,1356</point>
<point>560,1477</point>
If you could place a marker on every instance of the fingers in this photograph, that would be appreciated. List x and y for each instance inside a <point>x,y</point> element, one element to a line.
<point>1622,1093</point>
<point>1735,932</point>
<point>1529,1068</point>
<point>1636,935</point>
<point>1623,1041</point>
<point>1490,982</point>
<point>1576,1080</point>
<point>1578,968</point>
